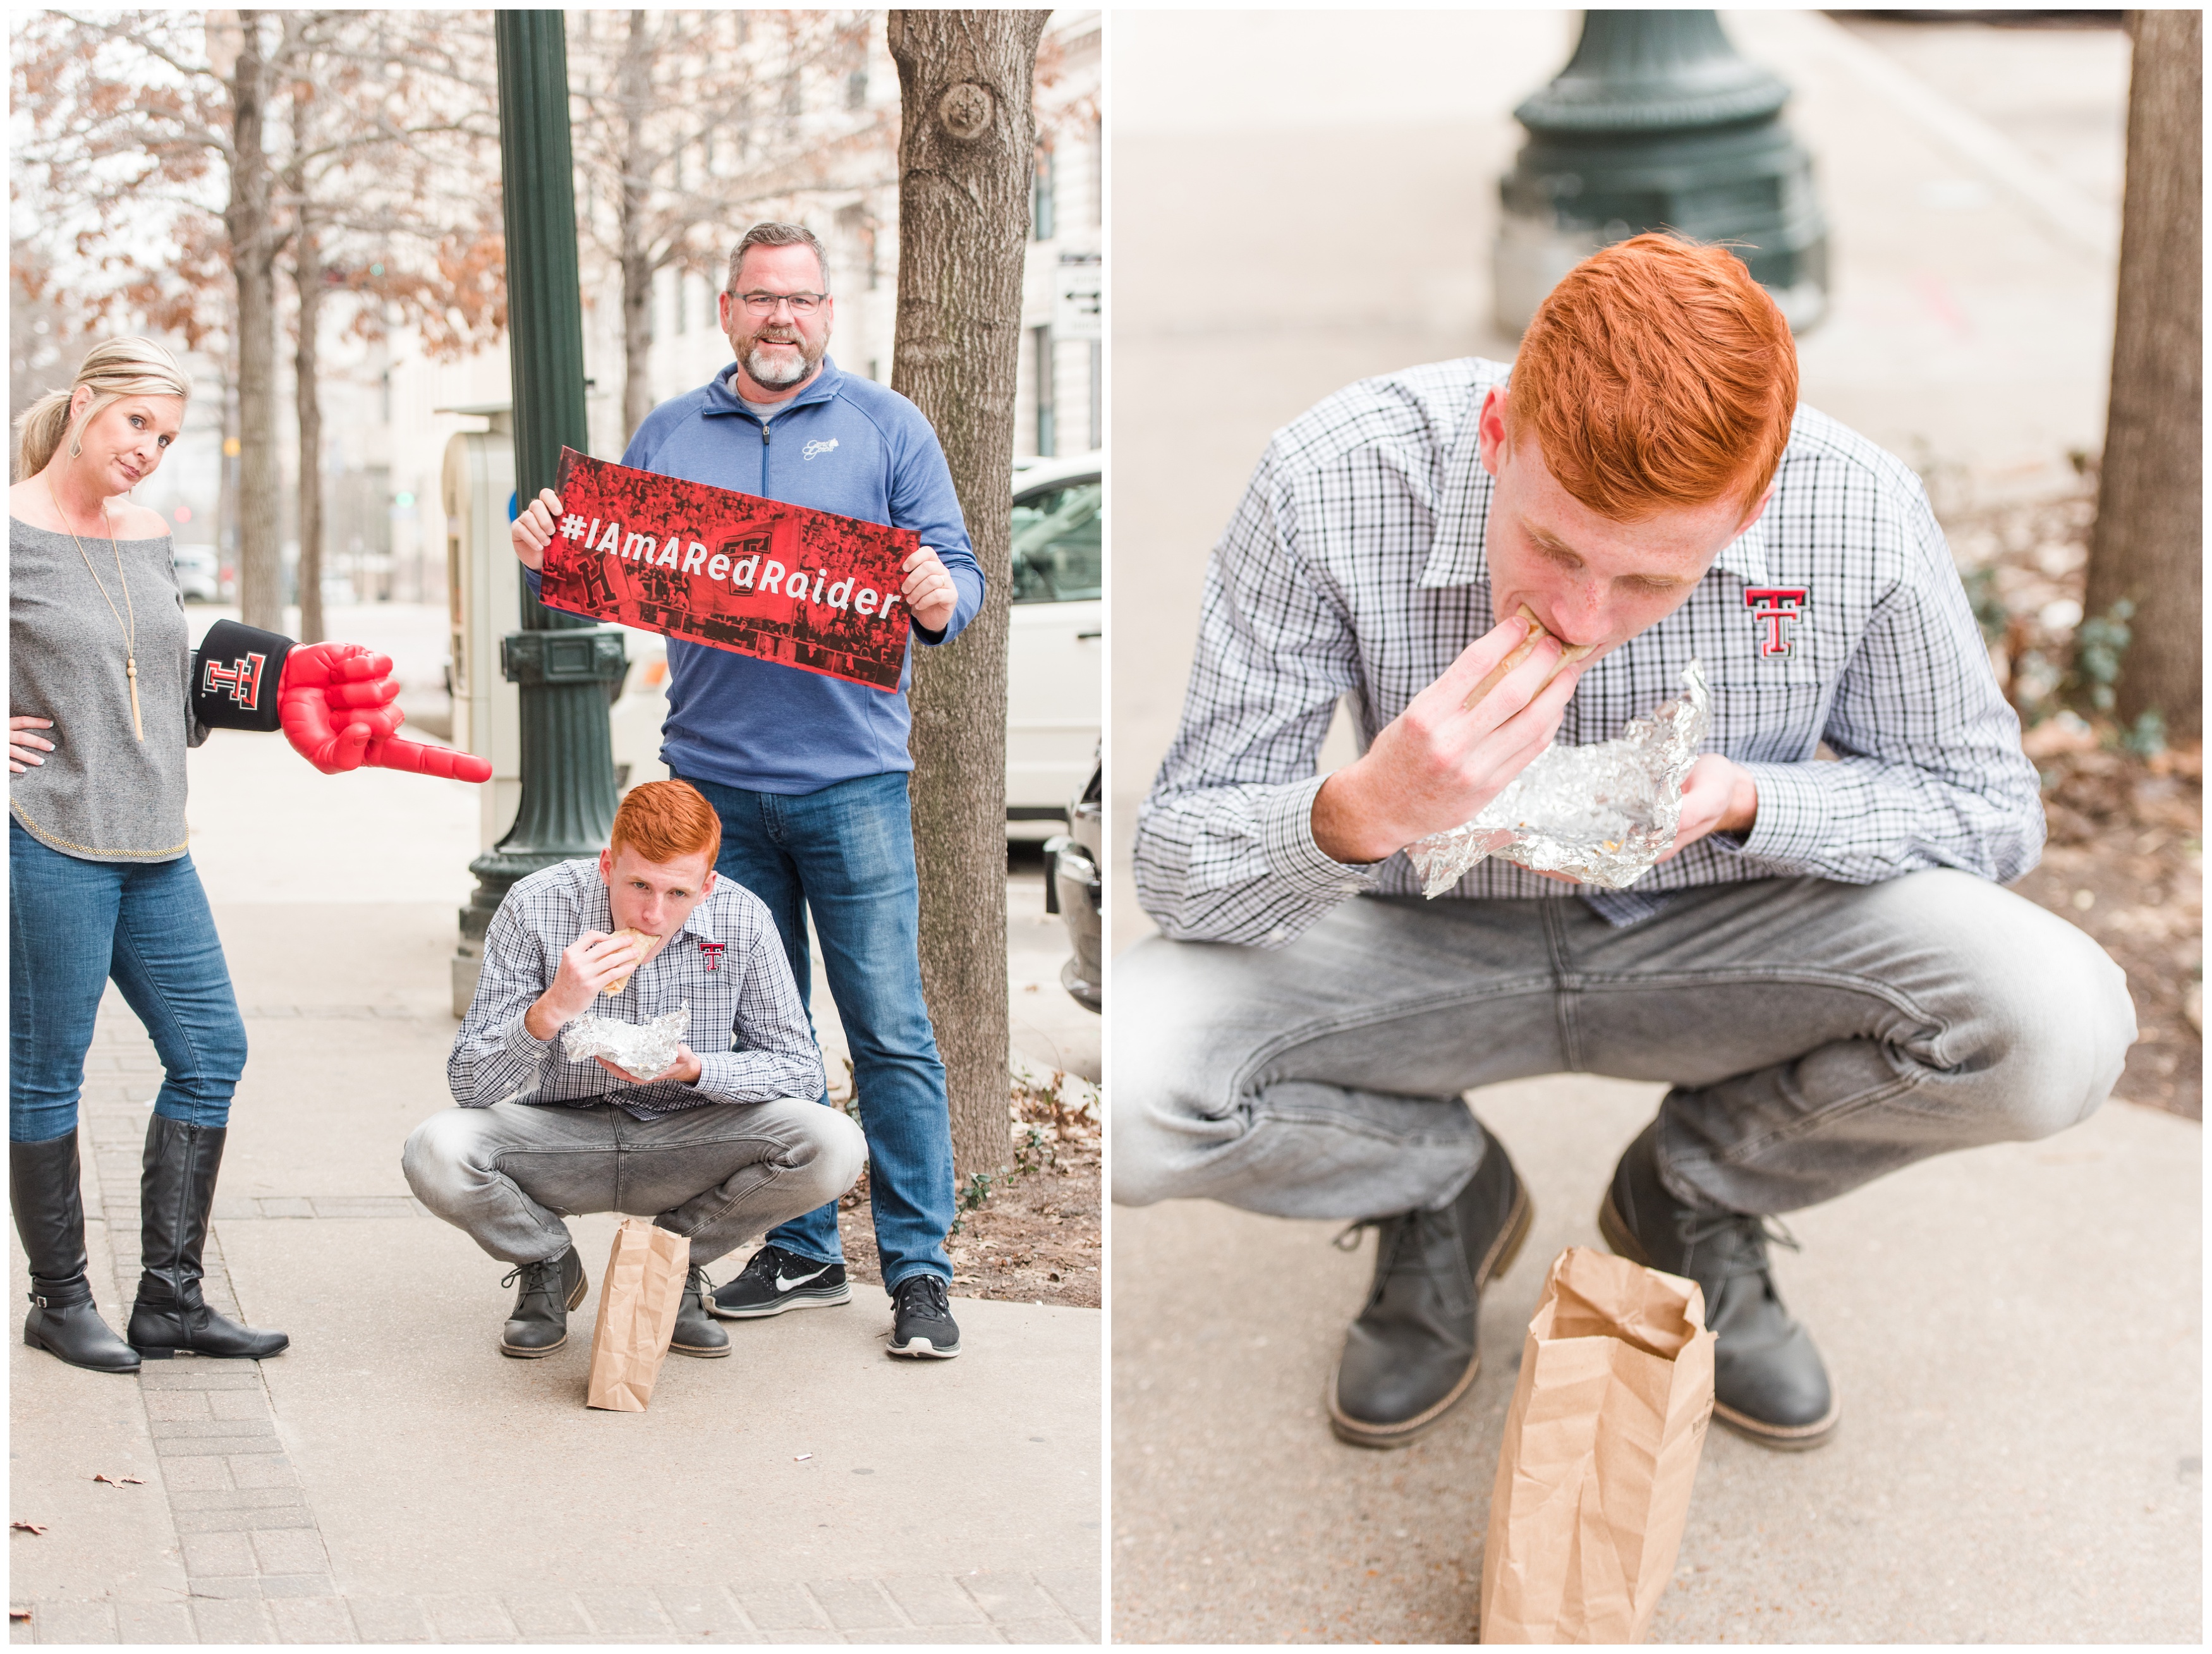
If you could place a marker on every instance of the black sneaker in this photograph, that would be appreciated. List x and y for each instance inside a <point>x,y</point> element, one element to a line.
<point>923,1320</point>
<point>774,1281</point>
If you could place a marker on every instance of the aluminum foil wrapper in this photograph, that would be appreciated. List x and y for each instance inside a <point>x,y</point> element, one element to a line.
<point>640,1050</point>
<point>1603,814</point>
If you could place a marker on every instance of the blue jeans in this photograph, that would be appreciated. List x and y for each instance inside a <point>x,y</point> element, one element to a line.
<point>71,925</point>
<point>847,853</point>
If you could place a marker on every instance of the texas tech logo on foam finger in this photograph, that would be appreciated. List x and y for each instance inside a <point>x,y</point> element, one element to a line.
<point>239,680</point>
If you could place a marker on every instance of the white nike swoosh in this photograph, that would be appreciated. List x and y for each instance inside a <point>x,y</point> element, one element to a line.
<point>784,1283</point>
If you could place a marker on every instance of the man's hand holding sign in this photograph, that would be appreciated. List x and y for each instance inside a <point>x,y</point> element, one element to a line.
<point>809,589</point>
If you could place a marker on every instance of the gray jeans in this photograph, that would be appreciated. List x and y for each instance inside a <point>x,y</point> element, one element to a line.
<point>719,1174</point>
<point>1816,1035</point>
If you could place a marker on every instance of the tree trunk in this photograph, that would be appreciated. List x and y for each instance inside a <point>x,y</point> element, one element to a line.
<point>248,218</point>
<point>968,132</point>
<point>633,89</point>
<point>307,276</point>
<point>2147,544</point>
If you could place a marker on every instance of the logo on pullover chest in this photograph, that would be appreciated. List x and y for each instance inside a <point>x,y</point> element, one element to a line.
<point>813,449</point>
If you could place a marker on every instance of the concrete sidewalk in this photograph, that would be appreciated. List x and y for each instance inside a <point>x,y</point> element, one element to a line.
<point>391,1477</point>
<point>2015,1334</point>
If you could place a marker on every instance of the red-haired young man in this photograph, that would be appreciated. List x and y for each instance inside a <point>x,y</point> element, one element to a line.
<point>1825,969</point>
<point>724,1144</point>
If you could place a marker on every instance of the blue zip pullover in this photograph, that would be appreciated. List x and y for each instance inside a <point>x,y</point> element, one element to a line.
<point>843,444</point>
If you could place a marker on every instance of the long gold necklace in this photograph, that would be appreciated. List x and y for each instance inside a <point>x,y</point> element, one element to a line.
<point>131,630</point>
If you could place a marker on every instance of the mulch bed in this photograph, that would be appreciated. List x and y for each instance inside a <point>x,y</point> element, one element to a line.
<point>2125,863</point>
<point>1031,1235</point>
<point>2124,860</point>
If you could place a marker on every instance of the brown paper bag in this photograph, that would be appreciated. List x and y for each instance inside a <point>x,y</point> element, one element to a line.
<point>1601,1447</point>
<point>639,1296</point>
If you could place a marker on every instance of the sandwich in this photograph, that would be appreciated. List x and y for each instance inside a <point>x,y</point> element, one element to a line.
<point>1522,651</point>
<point>643,941</point>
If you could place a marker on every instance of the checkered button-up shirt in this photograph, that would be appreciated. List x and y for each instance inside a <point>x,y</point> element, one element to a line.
<point>1355,565</point>
<point>747,1028</point>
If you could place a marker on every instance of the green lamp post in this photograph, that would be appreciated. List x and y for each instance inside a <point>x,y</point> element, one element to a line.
<point>564,664</point>
<point>1657,124</point>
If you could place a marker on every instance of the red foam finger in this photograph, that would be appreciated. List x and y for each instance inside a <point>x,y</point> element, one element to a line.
<point>362,666</point>
<point>418,759</point>
<point>373,693</point>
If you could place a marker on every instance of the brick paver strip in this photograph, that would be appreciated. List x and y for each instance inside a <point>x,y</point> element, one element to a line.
<point>705,1612</point>
<point>856,1604</point>
<point>153,1622</point>
<point>255,1562</point>
<point>1005,1596</point>
<point>935,1635</point>
<point>390,1618</point>
<point>1080,1592</point>
<point>622,1612</point>
<point>537,1616</point>
<point>1058,1629</point>
<point>935,1600</point>
<point>236,1620</point>
<point>305,1609</point>
<point>313,1620</point>
<point>460,1618</point>
<point>782,1608</point>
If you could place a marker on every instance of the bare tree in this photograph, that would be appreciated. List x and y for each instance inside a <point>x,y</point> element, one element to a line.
<point>161,155</point>
<point>967,143</point>
<point>687,121</point>
<point>393,132</point>
<point>2147,548</point>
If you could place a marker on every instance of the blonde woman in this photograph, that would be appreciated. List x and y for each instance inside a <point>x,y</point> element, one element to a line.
<point>104,694</point>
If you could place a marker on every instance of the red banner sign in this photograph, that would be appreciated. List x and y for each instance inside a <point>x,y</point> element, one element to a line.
<point>780,583</point>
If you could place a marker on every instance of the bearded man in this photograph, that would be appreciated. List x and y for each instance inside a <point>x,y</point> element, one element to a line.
<point>1824,969</point>
<point>809,773</point>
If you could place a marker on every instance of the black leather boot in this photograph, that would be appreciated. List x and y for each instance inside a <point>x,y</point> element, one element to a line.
<point>550,1289</point>
<point>43,1187</point>
<point>1769,1384</point>
<point>1410,1357</point>
<point>695,1332</point>
<point>175,1191</point>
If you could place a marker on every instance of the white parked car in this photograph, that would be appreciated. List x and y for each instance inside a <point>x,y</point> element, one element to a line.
<point>199,573</point>
<point>1054,651</point>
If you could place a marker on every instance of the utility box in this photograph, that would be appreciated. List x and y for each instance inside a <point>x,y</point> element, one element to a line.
<point>484,589</point>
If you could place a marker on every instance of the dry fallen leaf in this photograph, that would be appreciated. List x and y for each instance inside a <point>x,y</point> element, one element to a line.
<point>19,1613</point>
<point>118,1481</point>
<point>26,1526</point>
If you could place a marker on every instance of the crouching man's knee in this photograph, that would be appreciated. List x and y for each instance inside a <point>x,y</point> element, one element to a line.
<point>437,1159</point>
<point>826,1151</point>
<point>2063,1021</point>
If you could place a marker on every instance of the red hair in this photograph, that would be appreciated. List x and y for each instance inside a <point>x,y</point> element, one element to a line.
<point>1656,374</point>
<point>664,821</point>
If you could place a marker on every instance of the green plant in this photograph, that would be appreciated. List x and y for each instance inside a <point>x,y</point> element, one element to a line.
<point>2146,738</point>
<point>974,1194</point>
<point>2100,644</point>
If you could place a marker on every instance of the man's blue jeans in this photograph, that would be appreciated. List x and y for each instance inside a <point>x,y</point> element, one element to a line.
<point>846,853</point>
<point>71,925</point>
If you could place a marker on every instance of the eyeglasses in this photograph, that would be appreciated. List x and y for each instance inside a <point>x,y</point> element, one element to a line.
<point>764,304</point>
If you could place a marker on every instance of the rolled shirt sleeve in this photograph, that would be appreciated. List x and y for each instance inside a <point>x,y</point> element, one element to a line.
<point>1226,850</point>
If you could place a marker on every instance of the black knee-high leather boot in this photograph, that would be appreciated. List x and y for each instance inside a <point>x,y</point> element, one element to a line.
<point>175,1194</point>
<point>43,1187</point>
